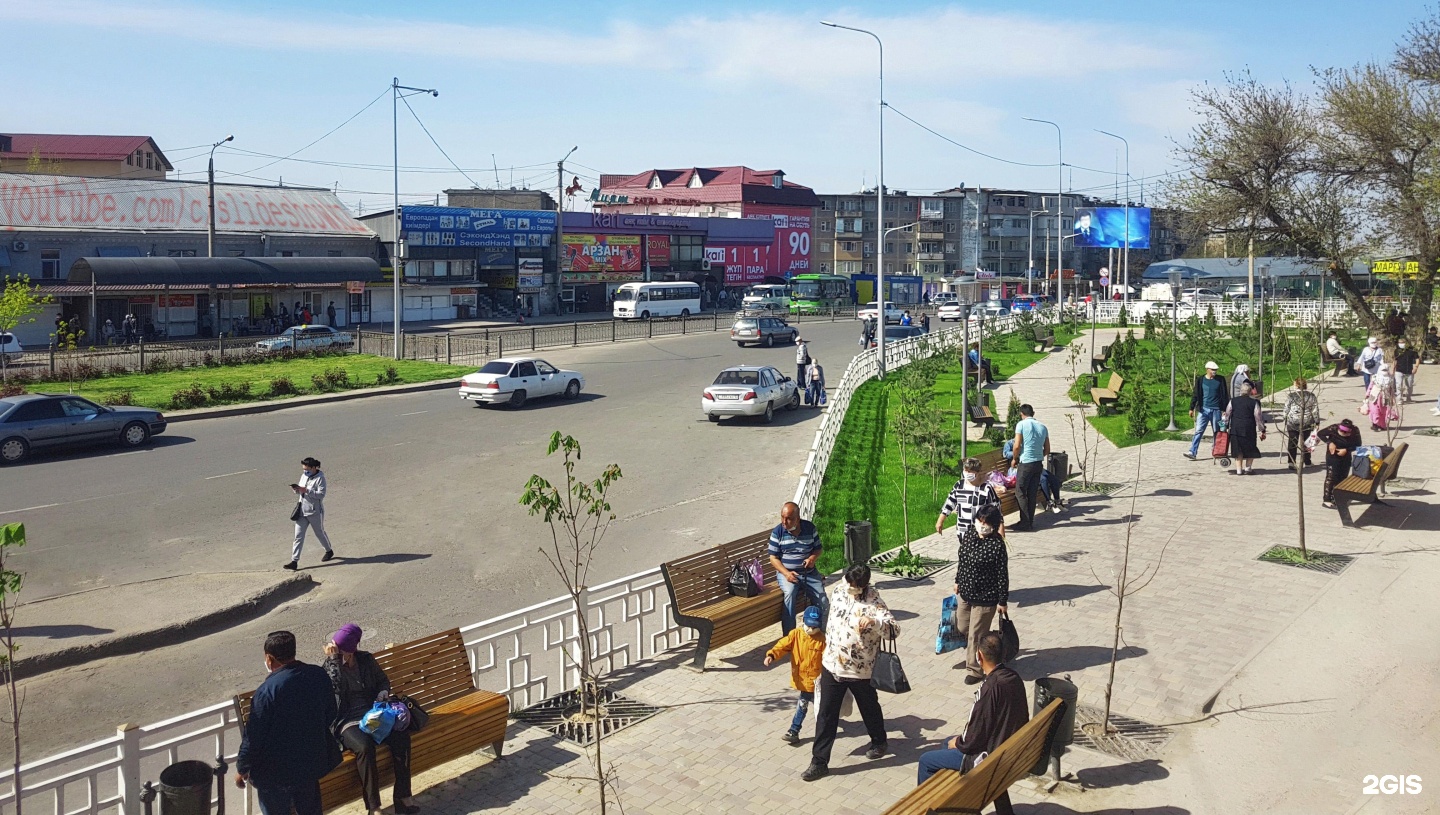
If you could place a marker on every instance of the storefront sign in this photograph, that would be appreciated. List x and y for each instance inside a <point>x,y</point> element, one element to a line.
<point>178,301</point>
<point>657,250</point>
<point>483,228</point>
<point>602,253</point>
<point>355,287</point>
<point>600,277</point>
<point>59,202</point>
<point>141,299</point>
<point>792,238</point>
<point>532,274</point>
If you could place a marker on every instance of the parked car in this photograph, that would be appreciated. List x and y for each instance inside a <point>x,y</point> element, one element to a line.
<point>990,308</point>
<point>895,333</point>
<point>1027,302</point>
<point>893,313</point>
<point>1183,310</point>
<point>749,390</point>
<point>514,381</point>
<point>1201,296</point>
<point>944,297</point>
<point>949,312</point>
<point>10,347</point>
<point>36,421</point>
<point>764,331</point>
<point>304,338</point>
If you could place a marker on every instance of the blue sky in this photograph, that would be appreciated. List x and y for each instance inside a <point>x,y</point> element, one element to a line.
<point>658,84</point>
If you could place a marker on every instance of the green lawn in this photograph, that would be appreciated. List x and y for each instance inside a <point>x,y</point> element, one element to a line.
<point>157,389</point>
<point>862,479</point>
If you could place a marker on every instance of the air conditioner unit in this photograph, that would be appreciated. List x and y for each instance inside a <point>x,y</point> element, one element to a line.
<point>19,246</point>
<point>705,264</point>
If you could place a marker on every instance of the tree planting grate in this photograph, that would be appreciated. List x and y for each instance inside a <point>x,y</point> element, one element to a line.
<point>1395,484</point>
<point>1128,738</point>
<point>564,716</point>
<point>1428,431</point>
<point>1093,488</point>
<point>1316,562</point>
<point>929,566</point>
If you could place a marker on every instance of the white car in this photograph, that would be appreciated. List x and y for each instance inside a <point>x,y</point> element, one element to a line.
<point>1182,310</point>
<point>1193,296</point>
<point>949,312</point>
<point>749,390</point>
<point>10,347</point>
<point>868,311</point>
<point>514,381</point>
<point>305,337</point>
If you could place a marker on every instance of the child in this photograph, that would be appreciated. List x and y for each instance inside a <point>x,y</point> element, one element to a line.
<point>805,644</point>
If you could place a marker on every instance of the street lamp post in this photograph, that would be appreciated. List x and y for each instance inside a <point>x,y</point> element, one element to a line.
<point>1174,335</point>
<point>1264,275</point>
<point>560,222</point>
<point>965,378</point>
<point>211,175</point>
<point>1125,262</point>
<point>1031,273</point>
<point>879,206</point>
<point>1094,308</point>
<point>1059,214</point>
<point>397,265</point>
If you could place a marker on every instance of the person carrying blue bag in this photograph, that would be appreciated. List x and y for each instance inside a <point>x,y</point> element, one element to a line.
<point>949,637</point>
<point>359,684</point>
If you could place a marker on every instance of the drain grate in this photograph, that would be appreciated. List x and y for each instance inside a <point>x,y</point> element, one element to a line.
<point>929,566</point>
<point>563,716</point>
<point>1093,488</point>
<point>1322,562</point>
<point>1129,738</point>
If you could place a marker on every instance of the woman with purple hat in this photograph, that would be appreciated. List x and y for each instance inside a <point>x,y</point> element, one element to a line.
<point>359,681</point>
<point>1340,441</point>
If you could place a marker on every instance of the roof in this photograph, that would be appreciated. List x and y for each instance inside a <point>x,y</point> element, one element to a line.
<point>61,147</point>
<point>715,185</point>
<point>1239,268</point>
<point>214,271</point>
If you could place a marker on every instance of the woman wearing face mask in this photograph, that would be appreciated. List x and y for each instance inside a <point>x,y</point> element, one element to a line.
<point>358,682</point>
<point>970,495</point>
<point>311,511</point>
<point>1380,399</point>
<point>982,584</point>
<point>858,620</point>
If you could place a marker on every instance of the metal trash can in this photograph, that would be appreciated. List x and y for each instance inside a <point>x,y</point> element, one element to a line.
<point>859,543</point>
<point>1046,689</point>
<point>185,788</point>
<point>1059,465</point>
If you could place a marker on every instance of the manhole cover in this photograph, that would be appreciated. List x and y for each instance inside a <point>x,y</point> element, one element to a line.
<point>918,567</point>
<point>564,716</point>
<point>1093,488</point>
<point>1128,738</point>
<point>1315,561</point>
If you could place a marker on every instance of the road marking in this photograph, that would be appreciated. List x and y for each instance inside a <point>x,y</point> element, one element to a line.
<point>227,475</point>
<point>388,446</point>
<point>62,503</point>
<point>292,430</point>
<point>415,413</point>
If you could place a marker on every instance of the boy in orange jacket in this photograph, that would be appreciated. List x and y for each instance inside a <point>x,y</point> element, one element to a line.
<point>805,644</point>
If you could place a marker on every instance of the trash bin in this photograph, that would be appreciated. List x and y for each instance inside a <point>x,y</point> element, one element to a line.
<point>1059,465</point>
<point>185,788</point>
<point>1046,689</point>
<point>859,545</point>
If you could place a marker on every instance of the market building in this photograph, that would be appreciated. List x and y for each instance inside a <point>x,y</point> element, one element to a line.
<point>87,156</point>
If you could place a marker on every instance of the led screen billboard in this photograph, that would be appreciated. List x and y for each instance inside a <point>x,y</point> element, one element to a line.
<point>1104,227</point>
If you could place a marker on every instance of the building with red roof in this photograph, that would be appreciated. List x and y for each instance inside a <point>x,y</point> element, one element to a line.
<point>89,156</point>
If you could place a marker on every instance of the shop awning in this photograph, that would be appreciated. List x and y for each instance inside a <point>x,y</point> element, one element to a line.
<point>222,271</point>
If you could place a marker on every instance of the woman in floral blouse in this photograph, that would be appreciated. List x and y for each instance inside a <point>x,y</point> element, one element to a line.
<point>858,621</point>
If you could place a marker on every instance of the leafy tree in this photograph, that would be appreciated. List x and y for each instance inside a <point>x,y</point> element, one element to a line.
<point>19,303</point>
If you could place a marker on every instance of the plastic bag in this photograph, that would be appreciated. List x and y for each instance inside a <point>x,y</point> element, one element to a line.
<point>1313,441</point>
<point>949,637</point>
<point>379,721</point>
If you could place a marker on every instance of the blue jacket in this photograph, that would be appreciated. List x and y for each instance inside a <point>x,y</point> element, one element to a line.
<point>287,740</point>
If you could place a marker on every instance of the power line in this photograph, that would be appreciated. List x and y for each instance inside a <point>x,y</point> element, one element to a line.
<point>437,144</point>
<point>327,133</point>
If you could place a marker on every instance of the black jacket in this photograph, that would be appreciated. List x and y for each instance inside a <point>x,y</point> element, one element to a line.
<point>355,691</point>
<point>982,571</point>
<point>1197,396</point>
<point>999,711</point>
<point>286,739</point>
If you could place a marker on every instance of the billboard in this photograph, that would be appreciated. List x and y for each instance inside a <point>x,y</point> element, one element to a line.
<point>657,250</point>
<point>744,265</point>
<point>482,228</point>
<point>602,253</point>
<point>1104,227</point>
<point>791,254</point>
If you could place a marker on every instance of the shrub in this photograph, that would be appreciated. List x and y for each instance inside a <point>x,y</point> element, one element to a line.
<point>337,378</point>
<point>1136,404</point>
<point>282,386</point>
<point>389,377</point>
<point>122,398</point>
<point>209,361</point>
<point>1124,317</point>
<point>1079,392</point>
<point>228,392</point>
<point>1012,414</point>
<point>191,397</point>
<point>158,365</point>
<point>84,370</point>
<point>116,369</point>
<point>11,389</point>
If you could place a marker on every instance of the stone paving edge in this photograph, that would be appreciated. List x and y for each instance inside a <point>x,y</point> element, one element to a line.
<point>302,401</point>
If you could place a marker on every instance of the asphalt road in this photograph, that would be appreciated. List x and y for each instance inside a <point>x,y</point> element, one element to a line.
<point>423,512</point>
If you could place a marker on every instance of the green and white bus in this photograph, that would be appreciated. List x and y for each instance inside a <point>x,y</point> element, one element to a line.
<point>818,293</point>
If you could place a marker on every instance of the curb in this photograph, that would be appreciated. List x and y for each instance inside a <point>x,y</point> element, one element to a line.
<point>301,401</point>
<point>253,606</point>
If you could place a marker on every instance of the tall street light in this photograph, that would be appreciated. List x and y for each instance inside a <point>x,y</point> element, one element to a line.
<point>211,174</point>
<point>1125,263</point>
<point>879,206</point>
<point>1031,273</point>
<point>398,92</point>
<point>1059,212</point>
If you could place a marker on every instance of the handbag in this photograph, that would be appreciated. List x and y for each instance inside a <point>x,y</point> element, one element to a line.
<point>1009,639</point>
<point>949,637</point>
<point>742,583</point>
<point>297,513</point>
<point>889,674</point>
<point>418,716</point>
<point>757,573</point>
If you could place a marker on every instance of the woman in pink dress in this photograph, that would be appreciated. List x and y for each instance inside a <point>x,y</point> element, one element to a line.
<point>1380,399</point>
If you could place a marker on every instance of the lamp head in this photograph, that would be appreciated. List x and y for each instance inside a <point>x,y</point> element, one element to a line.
<point>228,138</point>
<point>434,93</point>
<point>827,22</point>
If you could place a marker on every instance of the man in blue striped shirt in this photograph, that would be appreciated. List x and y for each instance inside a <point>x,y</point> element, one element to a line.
<point>794,548</point>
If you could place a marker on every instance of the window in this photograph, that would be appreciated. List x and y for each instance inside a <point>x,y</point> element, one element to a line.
<point>130,160</point>
<point>825,246</point>
<point>909,248</point>
<point>997,223</point>
<point>950,247</point>
<point>949,226</point>
<point>687,248</point>
<point>827,205</point>
<point>889,206</point>
<point>932,268</point>
<point>852,206</point>
<point>869,248</point>
<point>49,262</point>
<point>869,204</point>
<point>335,253</point>
<point>524,369</point>
<point>180,253</point>
<point>824,268</point>
<point>992,246</point>
<point>655,183</point>
<point>869,225</point>
<point>847,246</point>
<point>287,253</point>
<point>847,267</point>
<point>544,368</point>
<point>889,248</point>
<point>1017,223</point>
<point>37,411</point>
<point>824,226</point>
<point>909,206</point>
<point>869,268</point>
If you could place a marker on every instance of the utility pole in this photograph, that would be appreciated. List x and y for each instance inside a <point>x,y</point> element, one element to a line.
<point>1059,213</point>
<point>396,256</point>
<point>560,214</point>
<point>211,174</point>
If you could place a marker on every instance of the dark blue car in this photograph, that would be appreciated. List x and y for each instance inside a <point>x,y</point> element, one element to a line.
<point>39,420</point>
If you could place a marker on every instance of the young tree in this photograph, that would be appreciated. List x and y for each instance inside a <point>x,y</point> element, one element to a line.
<point>12,537</point>
<point>19,303</point>
<point>578,513</point>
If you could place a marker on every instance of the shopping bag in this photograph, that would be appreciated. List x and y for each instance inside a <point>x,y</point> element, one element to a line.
<point>742,584</point>
<point>889,674</point>
<point>1313,441</point>
<point>378,722</point>
<point>1009,639</point>
<point>1221,448</point>
<point>949,637</point>
<point>757,574</point>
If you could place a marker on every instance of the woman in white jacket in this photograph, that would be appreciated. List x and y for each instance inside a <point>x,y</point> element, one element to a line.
<point>858,621</point>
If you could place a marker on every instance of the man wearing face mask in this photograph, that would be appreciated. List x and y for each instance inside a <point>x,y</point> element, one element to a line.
<point>286,746</point>
<point>982,584</point>
<point>1405,361</point>
<point>794,548</point>
<point>310,511</point>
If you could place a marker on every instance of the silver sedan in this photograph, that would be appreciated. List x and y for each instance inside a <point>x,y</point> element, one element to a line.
<point>749,390</point>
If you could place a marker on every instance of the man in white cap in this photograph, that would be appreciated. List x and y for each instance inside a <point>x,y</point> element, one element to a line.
<point>1209,399</point>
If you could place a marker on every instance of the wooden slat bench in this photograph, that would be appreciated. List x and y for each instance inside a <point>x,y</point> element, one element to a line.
<point>950,792</point>
<point>982,416</point>
<point>1100,359</point>
<point>1355,488</point>
<point>1108,396</point>
<point>1044,338</point>
<point>434,671</point>
<point>1338,364</point>
<point>700,594</point>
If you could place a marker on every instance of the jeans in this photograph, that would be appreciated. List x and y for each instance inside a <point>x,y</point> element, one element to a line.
<point>933,760</point>
<point>1407,386</point>
<point>1050,487</point>
<point>363,746</point>
<point>832,694</point>
<point>1027,483</point>
<point>813,585</point>
<point>814,392</point>
<point>807,698</point>
<point>316,522</point>
<point>1365,378</point>
<point>277,799</point>
<point>1205,416</point>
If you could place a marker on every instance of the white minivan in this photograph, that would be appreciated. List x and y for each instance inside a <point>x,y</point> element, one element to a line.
<point>10,347</point>
<point>766,297</point>
<point>641,301</point>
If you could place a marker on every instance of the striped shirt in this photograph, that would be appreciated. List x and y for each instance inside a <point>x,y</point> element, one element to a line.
<point>965,502</point>
<point>792,549</point>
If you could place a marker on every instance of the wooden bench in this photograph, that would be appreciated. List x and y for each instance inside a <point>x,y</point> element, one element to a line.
<point>434,671</point>
<point>1100,359</point>
<point>700,598</point>
<point>982,416</point>
<point>1355,488</point>
<point>1044,338</point>
<point>1108,396</point>
<point>1339,364</point>
<point>1027,750</point>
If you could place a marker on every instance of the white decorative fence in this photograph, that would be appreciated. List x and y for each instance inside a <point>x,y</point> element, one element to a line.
<point>1291,312</point>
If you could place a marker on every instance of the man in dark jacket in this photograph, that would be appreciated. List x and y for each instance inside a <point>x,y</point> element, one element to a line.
<point>286,746</point>
<point>999,711</point>
<point>1207,404</point>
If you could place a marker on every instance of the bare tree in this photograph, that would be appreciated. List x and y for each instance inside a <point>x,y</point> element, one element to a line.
<point>578,513</point>
<point>12,536</point>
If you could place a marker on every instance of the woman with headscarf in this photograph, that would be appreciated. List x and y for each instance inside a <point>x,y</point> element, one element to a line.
<point>1239,378</point>
<point>1340,441</point>
<point>1380,398</point>
<point>1245,421</point>
<point>358,682</point>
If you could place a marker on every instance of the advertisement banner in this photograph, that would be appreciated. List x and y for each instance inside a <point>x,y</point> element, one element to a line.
<point>744,265</point>
<point>657,250</point>
<point>1104,227</point>
<point>531,274</point>
<point>482,228</point>
<point>601,277</point>
<point>602,253</point>
<point>791,253</point>
<point>61,202</point>
<point>178,301</point>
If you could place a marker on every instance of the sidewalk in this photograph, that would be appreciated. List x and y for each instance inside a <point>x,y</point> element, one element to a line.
<point>1320,679</point>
